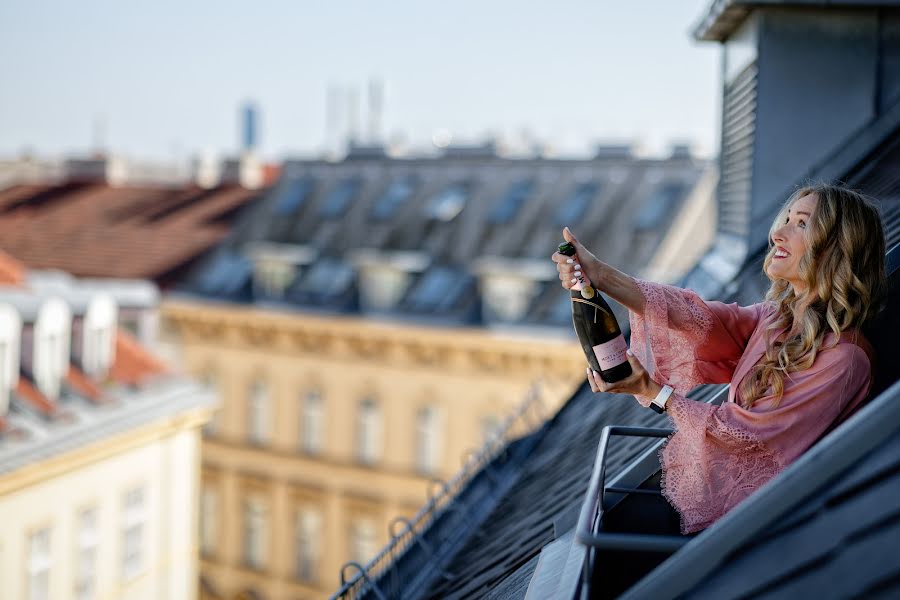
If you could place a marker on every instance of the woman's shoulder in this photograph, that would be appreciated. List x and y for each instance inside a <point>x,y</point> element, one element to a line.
<point>851,345</point>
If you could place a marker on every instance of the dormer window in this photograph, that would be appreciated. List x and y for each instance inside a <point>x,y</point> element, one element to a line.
<point>52,332</point>
<point>10,334</point>
<point>446,205</point>
<point>99,336</point>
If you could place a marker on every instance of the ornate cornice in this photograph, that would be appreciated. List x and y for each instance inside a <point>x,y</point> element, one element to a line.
<point>354,338</point>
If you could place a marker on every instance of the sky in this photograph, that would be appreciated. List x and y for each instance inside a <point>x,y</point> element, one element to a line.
<point>165,80</point>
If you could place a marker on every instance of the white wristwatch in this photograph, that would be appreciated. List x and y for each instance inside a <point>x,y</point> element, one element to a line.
<point>659,403</point>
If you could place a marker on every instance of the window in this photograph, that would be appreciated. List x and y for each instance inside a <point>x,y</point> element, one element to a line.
<point>397,193</point>
<point>428,440</point>
<point>38,568</point>
<point>258,413</point>
<point>211,381</point>
<point>327,277</point>
<point>291,195</point>
<point>490,427</point>
<point>272,276</point>
<point>255,533</point>
<point>86,540</point>
<point>133,522</point>
<point>446,205</point>
<point>51,347</point>
<point>337,201</point>
<point>368,433</point>
<point>509,205</point>
<point>228,275</point>
<point>312,425</point>
<point>98,345</point>
<point>10,334</point>
<point>363,541</point>
<point>572,209</point>
<point>209,520</point>
<point>439,289</point>
<point>309,542</point>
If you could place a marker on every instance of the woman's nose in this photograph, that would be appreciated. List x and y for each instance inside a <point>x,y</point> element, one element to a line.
<point>778,234</point>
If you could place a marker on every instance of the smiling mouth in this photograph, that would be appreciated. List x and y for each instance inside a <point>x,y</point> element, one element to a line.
<point>781,253</point>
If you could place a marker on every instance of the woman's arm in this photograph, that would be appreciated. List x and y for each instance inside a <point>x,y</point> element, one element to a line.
<point>609,280</point>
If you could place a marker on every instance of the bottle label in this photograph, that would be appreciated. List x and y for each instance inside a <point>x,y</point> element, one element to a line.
<point>612,353</point>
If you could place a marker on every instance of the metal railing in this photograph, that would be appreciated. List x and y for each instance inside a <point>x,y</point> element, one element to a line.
<point>590,521</point>
<point>372,577</point>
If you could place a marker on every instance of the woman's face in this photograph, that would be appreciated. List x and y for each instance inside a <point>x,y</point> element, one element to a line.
<point>791,241</point>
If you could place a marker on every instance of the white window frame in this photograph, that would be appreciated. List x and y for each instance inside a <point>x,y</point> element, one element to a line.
<point>52,333</point>
<point>312,422</point>
<point>255,533</point>
<point>369,432</point>
<point>87,540</point>
<point>98,344</point>
<point>38,567</point>
<point>259,404</point>
<point>10,347</point>
<point>308,544</point>
<point>363,540</point>
<point>134,524</point>
<point>209,520</point>
<point>428,440</point>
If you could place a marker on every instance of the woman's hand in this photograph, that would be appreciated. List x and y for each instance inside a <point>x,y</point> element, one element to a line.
<point>583,261</point>
<point>638,383</point>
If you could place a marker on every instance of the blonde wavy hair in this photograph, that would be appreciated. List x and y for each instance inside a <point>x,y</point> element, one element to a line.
<point>843,269</point>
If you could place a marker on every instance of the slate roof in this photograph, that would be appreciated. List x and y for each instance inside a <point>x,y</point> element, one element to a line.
<point>446,223</point>
<point>852,499</point>
<point>93,229</point>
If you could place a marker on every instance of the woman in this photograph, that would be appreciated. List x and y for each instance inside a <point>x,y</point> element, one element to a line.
<point>797,364</point>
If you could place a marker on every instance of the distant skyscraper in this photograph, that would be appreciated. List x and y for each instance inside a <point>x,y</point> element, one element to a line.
<point>249,131</point>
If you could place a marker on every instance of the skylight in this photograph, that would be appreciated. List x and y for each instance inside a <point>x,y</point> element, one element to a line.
<point>447,204</point>
<point>509,205</point>
<point>396,195</point>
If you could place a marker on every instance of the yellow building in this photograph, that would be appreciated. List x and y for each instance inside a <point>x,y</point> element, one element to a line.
<point>331,427</point>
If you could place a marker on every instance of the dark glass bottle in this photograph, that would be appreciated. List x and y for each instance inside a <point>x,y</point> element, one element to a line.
<point>597,329</point>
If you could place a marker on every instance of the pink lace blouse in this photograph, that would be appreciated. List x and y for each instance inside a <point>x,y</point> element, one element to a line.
<point>719,455</point>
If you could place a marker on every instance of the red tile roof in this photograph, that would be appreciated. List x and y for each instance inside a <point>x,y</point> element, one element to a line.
<point>28,392</point>
<point>96,230</point>
<point>12,272</point>
<point>133,364</point>
<point>79,380</point>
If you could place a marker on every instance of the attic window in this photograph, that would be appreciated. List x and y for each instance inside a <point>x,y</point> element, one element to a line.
<point>446,205</point>
<point>291,195</point>
<point>52,331</point>
<point>396,195</point>
<point>10,334</point>
<point>99,336</point>
<point>575,205</point>
<point>339,198</point>
<point>509,205</point>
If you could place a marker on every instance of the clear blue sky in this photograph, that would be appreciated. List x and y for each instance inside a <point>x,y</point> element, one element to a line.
<point>166,78</point>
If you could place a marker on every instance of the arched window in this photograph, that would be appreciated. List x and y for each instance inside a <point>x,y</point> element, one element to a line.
<point>98,342</point>
<point>10,336</point>
<point>312,423</point>
<point>368,432</point>
<point>258,413</point>
<point>52,331</point>
<point>428,440</point>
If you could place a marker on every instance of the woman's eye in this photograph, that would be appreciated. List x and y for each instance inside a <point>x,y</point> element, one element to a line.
<point>802,224</point>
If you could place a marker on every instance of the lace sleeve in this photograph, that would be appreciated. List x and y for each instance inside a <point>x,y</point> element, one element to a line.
<point>684,341</point>
<point>719,455</point>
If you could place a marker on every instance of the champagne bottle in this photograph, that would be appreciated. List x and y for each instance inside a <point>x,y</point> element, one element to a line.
<point>597,329</point>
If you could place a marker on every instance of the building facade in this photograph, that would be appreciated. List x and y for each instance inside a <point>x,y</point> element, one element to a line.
<point>99,446</point>
<point>330,428</point>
